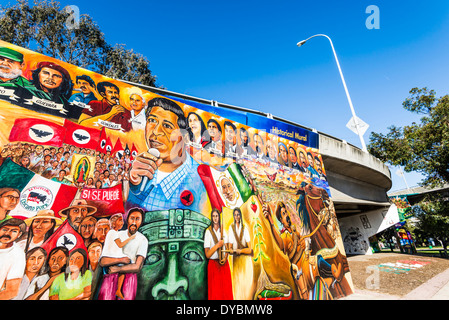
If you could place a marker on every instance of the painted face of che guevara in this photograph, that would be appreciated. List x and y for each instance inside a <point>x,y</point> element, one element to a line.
<point>50,79</point>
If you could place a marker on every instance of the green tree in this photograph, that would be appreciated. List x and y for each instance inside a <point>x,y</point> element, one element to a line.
<point>47,28</point>
<point>433,217</point>
<point>422,147</point>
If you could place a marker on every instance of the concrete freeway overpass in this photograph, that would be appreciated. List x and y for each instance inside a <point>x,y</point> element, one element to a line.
<point>359,182</point>
<point>416,194</point>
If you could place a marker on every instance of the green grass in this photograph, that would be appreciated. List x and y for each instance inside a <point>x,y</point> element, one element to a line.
<point>430,253</point>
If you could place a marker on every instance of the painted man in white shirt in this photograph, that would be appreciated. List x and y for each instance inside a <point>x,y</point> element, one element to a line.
<point>12,258</point>
<point>138,118</point>
<point>130,264</point>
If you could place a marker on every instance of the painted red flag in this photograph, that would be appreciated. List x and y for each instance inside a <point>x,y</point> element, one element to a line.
<point>105,144</point>
<point>102,145</point>
<point>118,149</point>
<point>80,136</point>
<point>108,147</point>
<point>134,152</point>
<point>37,131</point>
<point>64,236</point>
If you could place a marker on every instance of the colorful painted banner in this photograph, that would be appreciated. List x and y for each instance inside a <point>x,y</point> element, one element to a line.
<point>140,187</point>
<point>284,130</point>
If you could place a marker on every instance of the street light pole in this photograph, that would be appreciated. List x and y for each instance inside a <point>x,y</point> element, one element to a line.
<point>301,43</point>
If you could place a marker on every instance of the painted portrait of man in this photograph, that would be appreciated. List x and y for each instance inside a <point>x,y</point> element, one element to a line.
<point>108,112</point>
<point>50,83</point>
<point>11,66</point>
<point>165,182</point>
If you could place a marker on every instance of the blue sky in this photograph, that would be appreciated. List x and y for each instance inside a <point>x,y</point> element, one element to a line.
<point>244,53</point>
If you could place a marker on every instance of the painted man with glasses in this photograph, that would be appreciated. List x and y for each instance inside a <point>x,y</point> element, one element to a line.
<point>9,198</point>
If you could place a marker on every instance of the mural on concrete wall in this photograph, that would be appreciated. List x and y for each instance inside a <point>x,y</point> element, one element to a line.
<point>111,192</point>
<point>404,207</point>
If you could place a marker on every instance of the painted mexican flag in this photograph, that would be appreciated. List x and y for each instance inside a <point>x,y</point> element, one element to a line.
<point>36,193</point>
<point>227,188</point>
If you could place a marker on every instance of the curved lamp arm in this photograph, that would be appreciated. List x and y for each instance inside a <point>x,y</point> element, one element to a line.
<point>301,43</point>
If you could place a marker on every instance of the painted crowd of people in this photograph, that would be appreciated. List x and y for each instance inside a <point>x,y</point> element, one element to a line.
<point>31,269</point>
<point>55,164</point>
<point>225,139</point>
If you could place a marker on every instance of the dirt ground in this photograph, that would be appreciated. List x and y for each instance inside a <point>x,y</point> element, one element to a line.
<point>393,273</point>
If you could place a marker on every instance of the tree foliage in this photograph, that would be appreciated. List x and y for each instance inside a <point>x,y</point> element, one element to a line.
<point>423,146</point>
<point>433,217</point>
<point>128,65</point>
<point>45,27</point>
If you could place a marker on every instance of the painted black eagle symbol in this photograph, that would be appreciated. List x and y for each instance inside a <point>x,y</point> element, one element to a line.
<point>187,198</point>
<point>80,137</point>
<point>40,133</point>
<point>67,242</point>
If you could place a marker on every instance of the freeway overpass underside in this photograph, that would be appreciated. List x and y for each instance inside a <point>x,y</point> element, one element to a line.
<point>358,181</point>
